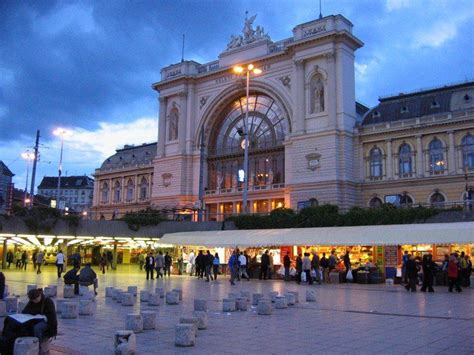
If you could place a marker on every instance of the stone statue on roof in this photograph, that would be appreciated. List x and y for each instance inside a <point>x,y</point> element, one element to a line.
<point>249,34</point>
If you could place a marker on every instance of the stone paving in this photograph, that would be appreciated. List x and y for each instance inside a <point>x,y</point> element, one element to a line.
<point>346,318</point>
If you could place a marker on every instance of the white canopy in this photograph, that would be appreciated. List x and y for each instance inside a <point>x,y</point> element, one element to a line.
<point>433,233</point>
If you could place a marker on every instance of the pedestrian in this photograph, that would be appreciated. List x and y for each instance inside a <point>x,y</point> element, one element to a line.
<point>18,259</point>
<point>208,268</point>
<point>88,277</point>
<point>444,269</point>
<point>201,264</point>
<point>270,266</point>
<point>286,265</point>
<point>159,264</point>
<point>39,304</point>
<point>103,262</point>
<point>168,263</point>
<point>192,262</point>
<point>469,271</point>
<point>324,262</point>
<point>149,266</point>
<point>110,259</point>
<point>453,274</point>
<point>2,285</point>
<point>215,265</point>
<point>429,270</point>
<point>315,267</point>
<point>307,268</point>
<point>299,268</point>
<point>10,258</point>
<point>33,258</point>
<point>180,264</point>
<point>24,260</point>
<point>347,262</point>
<point>464,270</point>
<point>141,260</point>
<point>405,259</point>
<point>233,267</point>
<point>243,266</point>
<point>412,274</point>
<point>39,261</point>
<point>60,262</point>
<point>72,278</point>
<point>332,260</point>
<point>264,263</point>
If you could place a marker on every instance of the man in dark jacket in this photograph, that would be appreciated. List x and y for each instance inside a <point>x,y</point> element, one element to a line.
<point>40,304</point>
<point>265,261</point>
<point>200,264</point>
<point>286,265</point>
<point>168,263</point>
<point>149,266</point>
<point>412,273</point>
<point>209,261</point>
<point>72,278</point>
<point>299,268</point>
<point>2,285</point>
<point>429,270</point>
<point>88,277</point>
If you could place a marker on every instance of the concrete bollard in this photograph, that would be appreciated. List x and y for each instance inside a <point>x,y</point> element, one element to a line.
<point>229,305</point>
<point>389,282</point>
<point>264,307</point>
<point>118,296</point>
<point>133,290</point>
<point>203,319</point>
<point>190,320</point>
<point>109,291</point>
<point>134,322</point>
<point>26,346</point>
<point>200,305</point>
<point>290,297</point>
<point>273,295</point>
<point>247,295</point>
<point>149,320</point>
<point>144,295</point>
<point>179,292</point>
<point>70,310</point>
<point>127,299</point>
<point>184,335</point>
<point>125,342</point>
<point>89,295</point>
<point>3,309</point>
<point>11,304</point>
<point>21,305</point>
<point>60,305</point>
<point>31,287</point>
<point>241,304</point>
<point>83,290</point>
<point>281,302</point>
<point>310,296</point>
<point>172,297</point>
<point>160,291</point>
<point>296,294</point>
<point>86,308</point>
<point>255,298</point>
<point>68,291</point>
<point>154,299</point>
<point>51,291</point>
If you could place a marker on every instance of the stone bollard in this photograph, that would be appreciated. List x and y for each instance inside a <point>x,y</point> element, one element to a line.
<point>389,282</point>
<point>133,290</point>
<point>247,295</point>
<point>255,298</point>
<point>241,304</point>
<point>83,290</point>
<point>31,287</point>
<point>310,296</point>
<point>51,291</point>
<point>202,319</point>
<point>26,346</point>
<point>296,294</point>
<point>70,310</point>
<point>127,299</point>
<point>118,296</point>
<point>179,292</point>
<point>68,291</point>
<point>86,308</point>
<point>21,305</point>
<point>149,320</point>
<point>281,302</point>
<point>3,309</point>
<point>273,295</point>
<point>190,320</point>
<point>228,305</point>
<point>264,307</point>
<point>172,297</point>
<point>160,291</point>
<point>11,304</point>
<point>290,299</point>
<point>134,322</point>
<point>144,295</point>
<point>60,305</point>
<point>109,291</point>
<point>184,335</point>
<point>89,295</point>
<point>154,299</point>
<point>125,342</point>
<point>200,305</point>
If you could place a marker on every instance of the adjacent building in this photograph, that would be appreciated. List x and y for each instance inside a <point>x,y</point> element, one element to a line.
<point>6,188</point>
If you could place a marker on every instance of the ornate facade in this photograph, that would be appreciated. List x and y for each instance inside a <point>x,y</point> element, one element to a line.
<point>308,140</point>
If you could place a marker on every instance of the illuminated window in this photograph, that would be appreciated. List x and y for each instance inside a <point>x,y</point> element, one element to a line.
<point>436,153</point>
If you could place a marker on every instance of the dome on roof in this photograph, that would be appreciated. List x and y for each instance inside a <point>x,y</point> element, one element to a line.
<point>130,156</point>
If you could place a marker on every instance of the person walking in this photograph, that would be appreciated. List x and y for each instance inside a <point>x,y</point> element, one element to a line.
<point>405,259</point>
<point>33,258</point>
<point>201,264</point>
<point>10,258</point>
<point>215,265</point>
<point>412,274</point>
<point>307,268</point>
<point>464,270</point>
<point>149,266</point>
<point>103,262</point>
<point>347,262</point>
<point>270,266</point>
<point>168,263</point>
<point>324,262</point>
<point>299,268</point>
<point>208,268</point>
<point>286,265</point>
<point>453,274</point>
<point>141,260</point>
<point>39,261</point>
<point>18,259</point>
<point>24,260</point>
<point>197,262</point>
<point>233,267</point>
<point>315,267</point>
<point>159,264</point>
<point>110,259</point>
<point>429,270</point>
<point>264,262</point>
<point>243,266</point>
<point>192,262</point>
<point>444,269</point>
<point>60,263</point>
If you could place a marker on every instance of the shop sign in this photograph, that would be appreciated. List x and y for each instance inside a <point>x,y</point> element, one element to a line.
<point>391,256</point>
<point>379,252</point>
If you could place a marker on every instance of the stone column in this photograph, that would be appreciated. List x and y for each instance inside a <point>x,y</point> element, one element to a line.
<point>183,116</point>
<point>114,258</point>
<point>300,109</point>
<point>362,162</point>
<point>190,117</point>
<point>420,167</point>
<point>451,153</point>
<point>136,197</point>
<point>332,90</point>
<point>162,128</point>
<point>389,161</point>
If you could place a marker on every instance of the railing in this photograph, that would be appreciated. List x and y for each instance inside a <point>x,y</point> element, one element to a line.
<point>205,68</point>
<point>240,189</point>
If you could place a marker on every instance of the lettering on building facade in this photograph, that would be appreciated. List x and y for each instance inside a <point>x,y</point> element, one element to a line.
<point>314,31</point>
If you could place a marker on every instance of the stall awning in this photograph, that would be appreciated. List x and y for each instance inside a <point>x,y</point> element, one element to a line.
<point>432,233</point>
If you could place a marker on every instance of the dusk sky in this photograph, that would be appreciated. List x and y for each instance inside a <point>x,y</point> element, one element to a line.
<point>88,66</point>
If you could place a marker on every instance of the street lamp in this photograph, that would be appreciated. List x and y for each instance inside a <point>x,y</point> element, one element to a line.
<point>27,156</point>
<point>61,133</point>
<point>250,68</point>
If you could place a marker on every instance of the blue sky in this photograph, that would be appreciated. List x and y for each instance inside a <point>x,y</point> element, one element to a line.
<point>88,65</point>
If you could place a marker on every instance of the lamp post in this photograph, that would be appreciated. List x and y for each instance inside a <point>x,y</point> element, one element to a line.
<point>250,68</point>
<point>27,156</point>
<point>60,132</point>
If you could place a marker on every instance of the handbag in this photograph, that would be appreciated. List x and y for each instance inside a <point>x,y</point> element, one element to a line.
<point>349,276</point>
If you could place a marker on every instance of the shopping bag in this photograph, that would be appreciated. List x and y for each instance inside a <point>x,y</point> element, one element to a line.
<point>313,273</point>
<point>303,277</point>
<point>349,276</point>
<point>281,271</point>
<point>399,272</point>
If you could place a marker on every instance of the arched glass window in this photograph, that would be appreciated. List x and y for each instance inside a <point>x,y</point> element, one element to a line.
<point>468,151</point>
<point>143,189</point>
<point>436,152</point>
<point>375,202</point>
<point>405,160</point>
<point>130,190</point>
<point>105,193</point>
<point>117,191</point>
<point>437,200</point>
<point>376,163</point>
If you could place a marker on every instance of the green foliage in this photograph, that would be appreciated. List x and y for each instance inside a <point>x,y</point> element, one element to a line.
<point>38,219</point>
<point>72,220</point>
<point>145,217</point>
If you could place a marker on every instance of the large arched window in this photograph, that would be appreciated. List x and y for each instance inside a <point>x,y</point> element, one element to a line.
<point>406,200</point>
<point>267,126</point>
<point>436,153</point>
<point>468,151</point>
<point>143,189</point>
<point>437,200</point>
<point>405,160</point>
<point>375,163</point>
<point>130,190</point>
<point>375,202</point>
<point>117,191</point>
<point>105,193</point>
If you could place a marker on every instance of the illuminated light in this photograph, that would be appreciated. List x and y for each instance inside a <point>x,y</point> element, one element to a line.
<point>75,241</point>
<point>279,205</point>
<point>141,238</point>
<point>27,200</point>
<point>85,237</point>
<point>53,204</point>
<point>66,237</point>
<point>47,240</point>
<point>84,213</point>
<point>241,175</point>
<point>22,241</point>
<point>257,71</point>
<point>250,67</point>
<point>238,69</point>
<point>59,241</point>
<point>7,235</point>
<point>33,240</point>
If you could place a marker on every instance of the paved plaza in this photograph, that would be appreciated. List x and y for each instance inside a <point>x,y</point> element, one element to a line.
<point>346,318</point>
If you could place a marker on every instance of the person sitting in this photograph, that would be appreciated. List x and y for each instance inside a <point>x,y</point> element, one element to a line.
<point>88,277</point>
<point>72,278</point>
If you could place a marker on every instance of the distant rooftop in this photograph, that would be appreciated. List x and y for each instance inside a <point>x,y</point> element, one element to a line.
<point>131,155</point>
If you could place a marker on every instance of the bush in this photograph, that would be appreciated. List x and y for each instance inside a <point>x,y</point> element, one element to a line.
<point>145,217</point>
